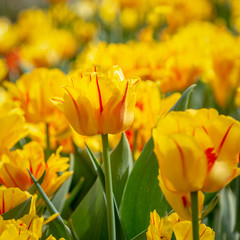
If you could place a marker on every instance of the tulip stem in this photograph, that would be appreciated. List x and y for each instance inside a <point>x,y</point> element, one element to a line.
<point>48,148</point>
<point>195,224</point>
<point>109,189</point>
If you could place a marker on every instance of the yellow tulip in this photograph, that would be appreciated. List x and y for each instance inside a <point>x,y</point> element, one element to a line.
<point>33,92</point>
<point>159,228</point>
<point>162,228</point>
<point>14,165</point>
<point>197,150</point>
<point>29,227</point>
<point>99,102</point>
<point>10,198</point>
<point>12,123</point>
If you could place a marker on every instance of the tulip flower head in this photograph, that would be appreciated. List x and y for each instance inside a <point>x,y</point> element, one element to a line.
<point>99,102</point>
<point>197,150</point>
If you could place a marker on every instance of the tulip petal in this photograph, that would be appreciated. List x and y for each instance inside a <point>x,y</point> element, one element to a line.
<point>182,162</point>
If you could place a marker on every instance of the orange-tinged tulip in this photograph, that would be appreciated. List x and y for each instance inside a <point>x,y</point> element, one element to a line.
<point>10,198</point>
<point>33,92</point>
<point>197,150</point>
<point>14,165</point>
<point>12,123</point>
<point>99,102</point>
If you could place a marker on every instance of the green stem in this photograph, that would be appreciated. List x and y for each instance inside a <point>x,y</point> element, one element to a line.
<point>48,148</point>
<point>195,225</point>
<point>134,145</point>
<point>109,189</point>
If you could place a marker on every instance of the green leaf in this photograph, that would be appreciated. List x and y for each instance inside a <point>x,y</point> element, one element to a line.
<point>142,194</point>
<point>182,103</point>
<point>210,206</point>
<point>236,190</point>
<point>121,164</point>
<point>18,211</point>
<point>57,226</point>
<point>225,218</point>
<point>74,193</point>
<point>92,210</point>
<point>82,168</point>
<point>141,236</point>
<point>119,227</point>
<point>89,219</point>
<point>60,196</point>
<point>33,189</point>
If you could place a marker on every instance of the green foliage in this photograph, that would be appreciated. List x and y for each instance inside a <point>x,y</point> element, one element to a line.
<point>18,211</point>
<point>142,194</point>
<point>89,219</point>
<point>182,103</point>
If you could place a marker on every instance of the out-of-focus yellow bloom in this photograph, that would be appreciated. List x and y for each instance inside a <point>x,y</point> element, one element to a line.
<point>99,102</point>
<point>59,132</point>
<point>36,20</point>
<point>150,106</point>
<point>33,91</point>
<point>197,150</point>
<point>108,11</point>
<point>159,228</point>
<point>45,45</point>
<point>129,18</point>
<point>10,198</point>
<point>162,228</point>
<point>9,36</point>
<point>14,165</point>
<point>237,97</point>
<point>222,71</point>
<point>175,63</point>
<point>86,9</point>
<point>12,123</point>
<point>180,12</point>
<point>3,69</point>
<point>49,49</point>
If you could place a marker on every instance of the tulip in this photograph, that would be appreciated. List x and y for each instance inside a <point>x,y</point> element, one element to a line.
<point>14,165</point>
<point>197,150</point>
<point>99,102</point>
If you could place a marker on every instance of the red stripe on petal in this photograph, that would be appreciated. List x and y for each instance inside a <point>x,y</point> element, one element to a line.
<point>224,138</point>
<point>203,232</point>
<point>184,201</point>
<point>57,100</point>
<point>182,158</point>
<point>211,157</point>
<point>3,203</point>
<point>99,96</point>
<point>75,104</point>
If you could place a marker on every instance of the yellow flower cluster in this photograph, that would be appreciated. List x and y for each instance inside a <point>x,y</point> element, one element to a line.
<point>163,228</point>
